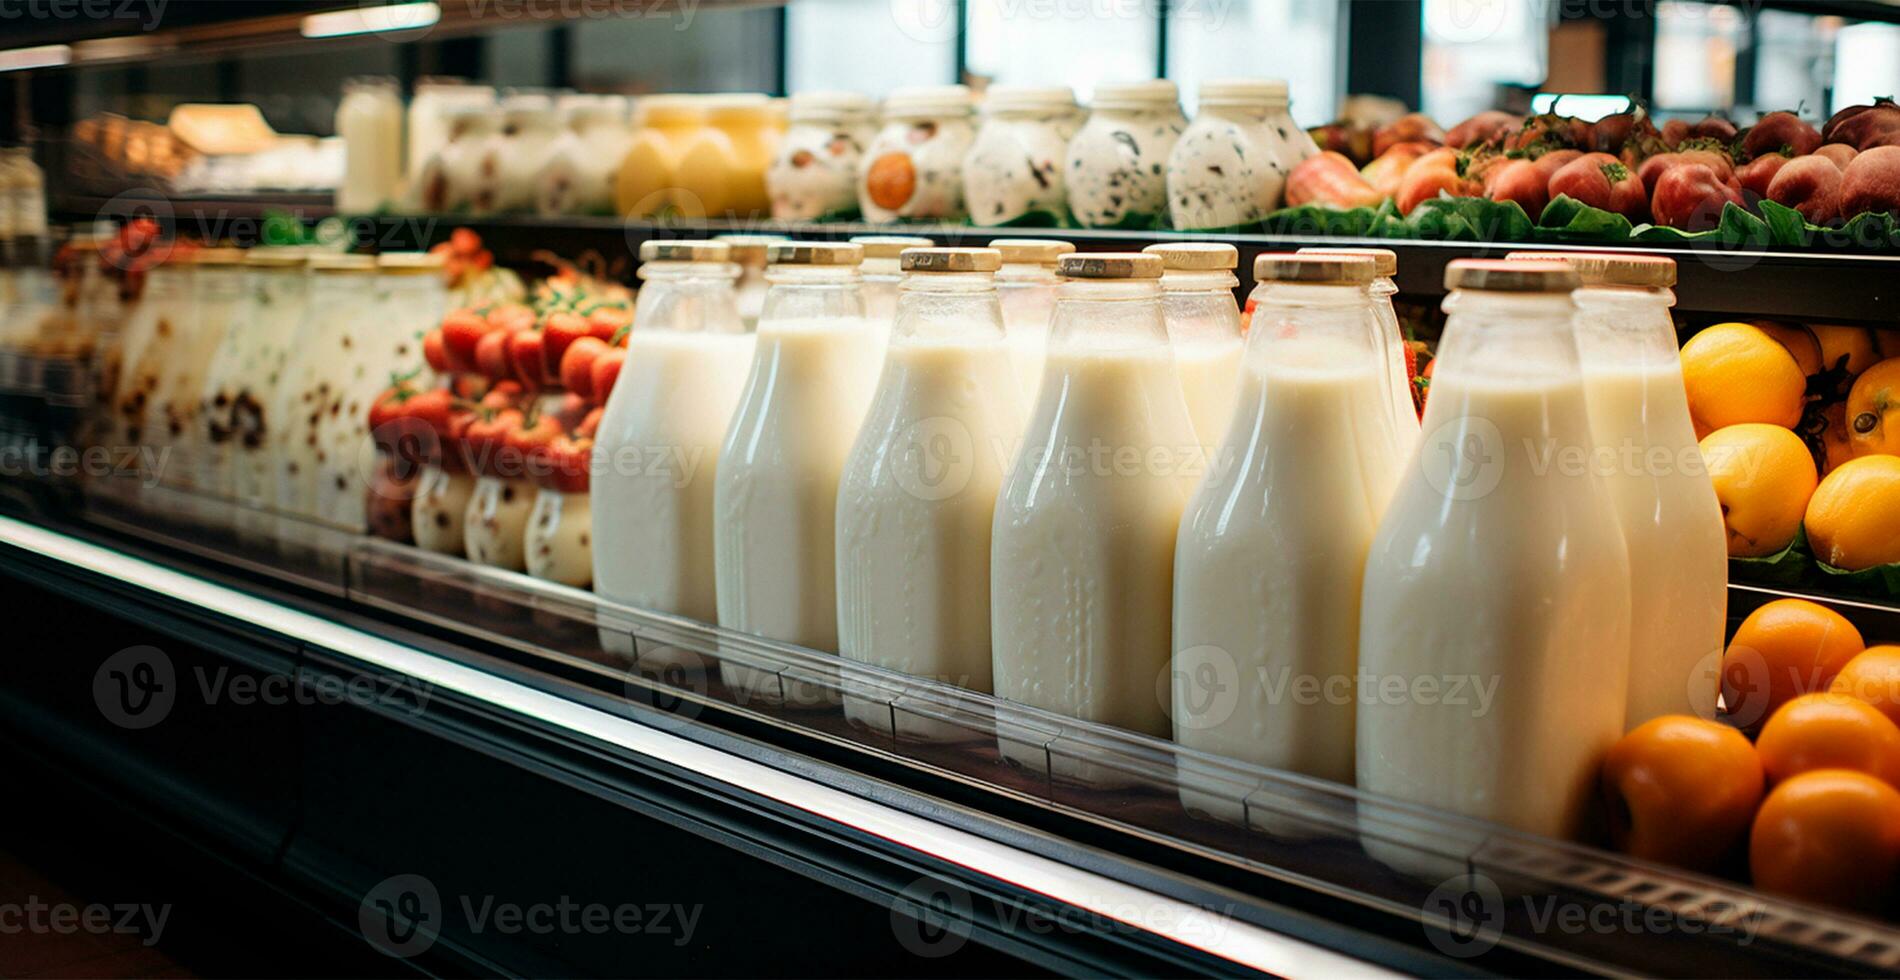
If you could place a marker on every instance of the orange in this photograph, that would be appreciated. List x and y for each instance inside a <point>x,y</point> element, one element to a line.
<point>1828,731</point>
<point>1873,677</point>
<point>1873,410</point>
<point>1763,476</point>
<point>1799,340</point>
<point>1784,649</point>
<point>1681,790</point>
<point>1736,373</point>
<point>1855,344</point>
<point>1831,836</point>
<point>1853,518</point>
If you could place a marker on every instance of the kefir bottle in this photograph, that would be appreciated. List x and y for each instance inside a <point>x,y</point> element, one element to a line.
<point>1391,337</point>
<point>1197,304</point>
<point>1013,174</point>
<point>918,494</point>
<point>1225,172</point>
<point>814,175</point>
<point>1646,452</point>
<point>342,294</point>
<point>1082,558</point>
<point>1494,623</point>
<point>1026,287</point>
<point>370,121</point>
<point>775,497</point>
<point>1118,163</point>
<point>1267,568</point>
<point>882,275</point>
<point>913,169</point>
<point>279,284</point>
<point>657,449</point>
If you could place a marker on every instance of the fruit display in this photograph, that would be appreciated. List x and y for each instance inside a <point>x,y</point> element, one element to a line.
<point>1497,177</point>
<point>1810,808</point>
<point>1797,424</point>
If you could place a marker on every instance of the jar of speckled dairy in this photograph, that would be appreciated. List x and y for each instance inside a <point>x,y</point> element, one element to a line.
<point>1013,175</point>
<point>1118,162</point>
<point>913,170</point>
<point>1227,170</point>
<point>815,174</point>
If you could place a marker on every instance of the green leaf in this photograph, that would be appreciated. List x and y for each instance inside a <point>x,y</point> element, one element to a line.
<point>1786,227</point>
<point>1785,567</point>
<point>1742,229</point>
<point>1471,219</point>
<point>1042,219</point>
<point>1870,229</point>
<point>1567,219</point>
<point>1310,220</point>
<point>1880,580</point>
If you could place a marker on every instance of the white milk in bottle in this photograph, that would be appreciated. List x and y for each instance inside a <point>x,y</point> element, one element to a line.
<point>775,496</point>
<point>882,275</point>
<point>919,490</point>
<point>1026,287</point>
<point>1082,560</point>
<point>1646,453</point>
<point>1392,337</point>
<point>1268,564</point>
<point>1197,303</point>
<point>657,449</point>
<point>1495,611</point>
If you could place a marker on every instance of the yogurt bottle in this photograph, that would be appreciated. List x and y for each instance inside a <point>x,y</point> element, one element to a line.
<point>516,152</point>
<point>1392,337</point>
<point>1496,593</point>
<point>557,543</point>
<point>197,463</point>
<point>430,125</point>
<point>229,413</point>
<point>1117,163</point>
<point>1082,553</point>
<point>579,175</point>
<point>278,281</point>
<point>814,175</point>
<point>1197,303</point>
<point>1295,144</point>
<point>1013,175</point>
<point>662,124</point>
<point>451,178</point>
<point>1645,448</point>
<point>913,170</point>
<point>441,504</point>
<point>657,451</point>
<point>748,253</point>
<point>1026,288</point>
<point>494,525</point>
<point>1267,567</point>
<point>721,170</point>
<point>342,299</point>
<point>776,492</point>
<point>882,275</point>
<point>161,313</point>
<point>1226,171</point>
<point>369,119</point>
<point>918,495</point>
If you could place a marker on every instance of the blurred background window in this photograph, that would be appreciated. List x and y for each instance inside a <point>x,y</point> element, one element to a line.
<point>715,49</point>
<point>1474,49</point>
<point>1696,49</point>
<point>1794,61</point>
<point>1866,64</point>
<point>1302,41</point>
<point>869,46</point>
<point>1063,42</point>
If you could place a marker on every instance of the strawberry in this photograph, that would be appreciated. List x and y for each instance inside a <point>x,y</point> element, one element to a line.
<point>524,355</point>
<point>491,356</point>
<point>486,437</point>
<point>464,241</point>
<point>570,460</point>
<point>461,331</point>
<point>606,373</point>
<point>435,350</point>
<point>570,410</point>
<point>512,316</point>
<point>504,394</point>
<point>562,330</point>
<point>528,446</point>
<point>577,365</point>
<point>389,406</point>
<point>607,322</point>
<point>433,408</point>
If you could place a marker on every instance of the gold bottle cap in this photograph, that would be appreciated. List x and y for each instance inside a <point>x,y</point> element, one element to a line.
<point>687,251</point>
<point>1610,268</point>
<point>814,253</point>
<point>1109,265</point>
<point>748,249</point>
<point>278,257</point>
<point>889,246</point>
<point>1031,251</point>
<point>1195,256</point>
<point>1315,268</point>
<point>342,262</point>
<point>1510,276</point>
<point>408,263</point>
<point>951,260</point>
<point>1387,260</point>
<point>220,256</point>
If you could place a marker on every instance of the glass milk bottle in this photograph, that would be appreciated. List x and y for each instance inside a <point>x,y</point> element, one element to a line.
<point>370,121</point>
<point>1117,164</point>
<point>1391,337</point>
<point>1672,522</point>
<point>1225,172</point>
<point>1013,174</point>
<point>657,448</point>
<point>776,493</point>
<point>814,175</point>
<point>918,494</point>
<point>882,275</point>
<point>1026,286</point>
<point>1082,558</point>
<point>1496,595</point>
<point>748,253</point>
<point>1267,567</point>
<point>1197,303</point>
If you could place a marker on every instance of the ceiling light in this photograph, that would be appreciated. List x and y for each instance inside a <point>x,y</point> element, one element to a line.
<point>44,56</point>
<point>372,20</point>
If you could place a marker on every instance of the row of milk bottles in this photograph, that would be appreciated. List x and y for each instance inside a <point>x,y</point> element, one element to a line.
<point>1267,561</point>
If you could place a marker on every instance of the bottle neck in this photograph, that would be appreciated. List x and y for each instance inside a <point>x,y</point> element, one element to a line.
<point>797,293</point>
<point>1199,307</point>
<point>1625,327</point>
<point>1107,315</point>
<point>1314,325</point>
<point>948,306</point>
<point>1497,336</point>
<point>688,297</point>
<point>1247,112</point>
